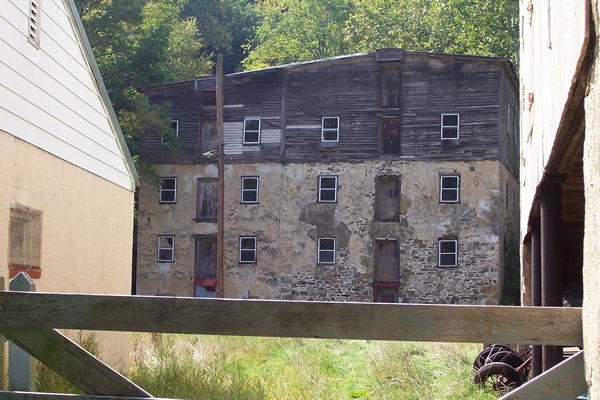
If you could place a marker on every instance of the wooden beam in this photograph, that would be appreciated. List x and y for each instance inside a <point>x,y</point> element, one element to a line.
<point>72,362</point>
<point>564,381</point>
<point>60,396</point>
<point>376,321</point>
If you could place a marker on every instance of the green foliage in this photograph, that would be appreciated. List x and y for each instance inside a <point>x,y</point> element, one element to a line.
<point>140,43</point>
<point>226,25</point>
<point>218,367</point>
<point>292,31</point>
<point>49,381</point>
<point>477,27</point>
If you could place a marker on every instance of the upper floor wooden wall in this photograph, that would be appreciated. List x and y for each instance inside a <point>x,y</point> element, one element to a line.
<point>393,91</point>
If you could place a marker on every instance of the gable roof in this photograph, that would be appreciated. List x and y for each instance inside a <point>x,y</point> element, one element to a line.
<point>87,49</point>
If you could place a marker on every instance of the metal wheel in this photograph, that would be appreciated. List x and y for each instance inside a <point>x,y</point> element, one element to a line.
<point>508,357</point>
<point>499,377</point>
<point>482,357</point>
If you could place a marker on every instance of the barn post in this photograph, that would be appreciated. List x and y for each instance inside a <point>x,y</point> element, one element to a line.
<point>550,222</point>
<point>21,367</point>
<point>536,291</point>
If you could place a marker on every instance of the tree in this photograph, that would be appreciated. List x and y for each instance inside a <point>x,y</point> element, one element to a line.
<point>141,43</point>
<point>292,30</point>
<point>477,27</point>
<point>226,25</point>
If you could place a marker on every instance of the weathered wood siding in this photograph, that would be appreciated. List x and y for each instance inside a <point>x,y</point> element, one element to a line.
<point>348,89</point>
<point>432,85</point>
<point>367,95</point>
<point>257,96</point>
<point>509,132</point>
<point>49,96</point>
<point>185,107</point>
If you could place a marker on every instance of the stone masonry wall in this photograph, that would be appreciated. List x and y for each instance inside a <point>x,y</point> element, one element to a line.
<point>288,220</point>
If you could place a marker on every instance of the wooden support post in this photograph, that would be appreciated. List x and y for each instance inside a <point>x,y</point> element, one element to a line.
<point>21,367</point>
<point>220,180</point>
<point>536,291</point>
<point>552,285</point>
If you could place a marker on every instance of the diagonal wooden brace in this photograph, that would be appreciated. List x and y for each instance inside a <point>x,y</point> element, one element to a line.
<point>72,362</point>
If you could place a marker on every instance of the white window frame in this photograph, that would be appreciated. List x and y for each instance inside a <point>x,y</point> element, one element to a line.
<point>457,126</point>
<point>329,130</point>
<point>244,141</point>
<point>162,190</point>
<point>245,178</point>
<point>172,248</point>
<point>321,189</point>
<point>455,253</point>
<point>445,189</point>
<point>253,250</point>
<point>320,250</point>
<point>173,121</point>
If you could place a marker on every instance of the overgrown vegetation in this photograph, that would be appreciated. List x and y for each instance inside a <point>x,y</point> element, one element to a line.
<point>216,367</point>
<point>251,368</point>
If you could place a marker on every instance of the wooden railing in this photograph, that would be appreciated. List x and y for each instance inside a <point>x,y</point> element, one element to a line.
<point>30,320</point>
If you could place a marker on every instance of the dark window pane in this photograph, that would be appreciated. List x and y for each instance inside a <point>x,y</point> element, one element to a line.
<point>330,135</point>
<point>251,137</point>
<point>328,183</point>
<point>250,183</point>
<point>327,244</point>
<point>167,196</point>
<point>450,120</point>
<point>449,195</point>
<point>330,123</point>
<point>326,256</point>
<point>249,196</point>
<point>448,259</point>
<point>450,133</point>
<point>252,124</point>
<point>327,195</point>
<point>247,255</point>
<point>165,255</point>
<point>168,183</point>
<point>248,243</point>
<point>447,247</point>
<point>450,182</point>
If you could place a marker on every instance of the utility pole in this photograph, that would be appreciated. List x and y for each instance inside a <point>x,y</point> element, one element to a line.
<point>220,179</point>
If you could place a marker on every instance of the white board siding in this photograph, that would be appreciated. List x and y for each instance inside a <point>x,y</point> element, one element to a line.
<point>233,133</point>
<point>50,98</point>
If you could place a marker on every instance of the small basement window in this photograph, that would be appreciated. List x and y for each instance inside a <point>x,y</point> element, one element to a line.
<point>166,248</point>
<point>174,127</point>
<point>448,253</point>
<point>450,126</point>
<point>449,189</point>
<point>326,251</point>
<point>327,189</point>
<point>330,129</point>
<point>247,249</point>
<point>168,190</point>
<point>250,189</point>
<point>251,131</point>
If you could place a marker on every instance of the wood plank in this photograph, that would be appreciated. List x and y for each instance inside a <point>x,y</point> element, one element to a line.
<point>72,362</point>
<point>61,396</point>
<point>563,381</point>
<point>413,322</point>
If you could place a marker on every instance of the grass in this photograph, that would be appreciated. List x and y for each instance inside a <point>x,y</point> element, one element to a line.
<point>216,367</point>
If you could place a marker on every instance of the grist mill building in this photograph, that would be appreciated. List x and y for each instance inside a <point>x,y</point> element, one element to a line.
<point>387,176</point>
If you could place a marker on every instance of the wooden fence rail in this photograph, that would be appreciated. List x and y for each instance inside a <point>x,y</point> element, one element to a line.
<point>376,321</point>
